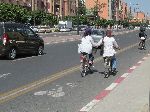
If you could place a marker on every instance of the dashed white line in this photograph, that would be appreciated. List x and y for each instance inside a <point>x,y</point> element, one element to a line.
<point>125,75</point>
<point>89,106</point>
<point>112,86</point>
<point>134,67</point>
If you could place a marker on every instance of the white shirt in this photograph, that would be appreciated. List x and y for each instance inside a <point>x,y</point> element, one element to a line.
<point>86,44</point>
<point>109,44</point>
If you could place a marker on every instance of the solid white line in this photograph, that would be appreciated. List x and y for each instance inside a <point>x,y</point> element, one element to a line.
<point>89,106</point>
<point>125,75</point>
<point>112,86</point>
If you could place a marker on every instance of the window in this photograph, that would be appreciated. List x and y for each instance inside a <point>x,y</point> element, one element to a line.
<point>9,29</point>
<point>29,32</point>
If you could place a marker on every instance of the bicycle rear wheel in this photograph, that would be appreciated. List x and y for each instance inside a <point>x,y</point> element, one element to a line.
<point>84,71</point>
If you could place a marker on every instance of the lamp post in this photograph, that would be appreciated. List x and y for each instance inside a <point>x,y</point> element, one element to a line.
<point>33,5</point>
<point>77,17</point>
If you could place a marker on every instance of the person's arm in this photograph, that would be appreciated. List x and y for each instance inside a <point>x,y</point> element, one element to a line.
<point>139,34</point>
<point>93,43</point>
<point>145,35</point>
<point>115,44</point>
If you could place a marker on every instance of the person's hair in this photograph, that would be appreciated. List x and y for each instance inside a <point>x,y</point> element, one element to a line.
<point>87,32</point>
<point>142,29</point>
<point>108,33</point>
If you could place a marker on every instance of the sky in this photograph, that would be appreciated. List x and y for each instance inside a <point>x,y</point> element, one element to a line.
<point>144,5</point>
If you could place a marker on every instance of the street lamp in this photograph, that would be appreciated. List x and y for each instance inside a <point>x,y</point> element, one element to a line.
<point>78,17</point>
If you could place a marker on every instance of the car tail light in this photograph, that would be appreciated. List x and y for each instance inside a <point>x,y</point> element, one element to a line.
<point>5,38</point>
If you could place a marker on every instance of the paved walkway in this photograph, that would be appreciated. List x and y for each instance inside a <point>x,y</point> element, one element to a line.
<point>129,93</point>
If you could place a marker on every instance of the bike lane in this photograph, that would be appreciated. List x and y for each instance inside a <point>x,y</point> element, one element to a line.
<point>128,93</point>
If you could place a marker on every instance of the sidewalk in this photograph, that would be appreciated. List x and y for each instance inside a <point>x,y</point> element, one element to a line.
<point>132,94</point>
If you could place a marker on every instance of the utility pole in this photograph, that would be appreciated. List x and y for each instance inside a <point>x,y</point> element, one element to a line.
<point>34,10</point>
<point>78,17</point>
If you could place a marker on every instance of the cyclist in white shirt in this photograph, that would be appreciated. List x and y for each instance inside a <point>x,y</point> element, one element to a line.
<point>109,44</point>
<point>87,44</point>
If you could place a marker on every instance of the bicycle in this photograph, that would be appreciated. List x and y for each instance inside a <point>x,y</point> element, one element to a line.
<point>108,66</point>
<point>85,66</point>
<point>142,43</point>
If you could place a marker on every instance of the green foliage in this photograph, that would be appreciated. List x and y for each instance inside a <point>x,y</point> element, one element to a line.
<point>82,8</point>
<point>15,13</point>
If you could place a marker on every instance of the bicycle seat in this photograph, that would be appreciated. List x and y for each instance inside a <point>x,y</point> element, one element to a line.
<point>108,57</point>
<point>84,53</point>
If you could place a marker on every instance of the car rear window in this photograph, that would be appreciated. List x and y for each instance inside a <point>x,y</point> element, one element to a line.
<point>96,32</point>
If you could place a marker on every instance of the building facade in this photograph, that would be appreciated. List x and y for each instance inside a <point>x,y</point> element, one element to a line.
<point>108,9</point>
<point>57,7</point>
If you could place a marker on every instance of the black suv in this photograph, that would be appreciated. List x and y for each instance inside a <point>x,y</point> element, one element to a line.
<point>16,38</point>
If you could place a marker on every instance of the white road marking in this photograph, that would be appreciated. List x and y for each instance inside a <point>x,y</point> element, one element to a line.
<point>40,93</point>
<point>54,92</point>
<point>4,75</point>
<point>134,67</point>
<point>58,93</point>
<point>112,86</point>
<point>125,75</point>
<point>89,106</point>
<point>140,61</point>
<point>71,84</point>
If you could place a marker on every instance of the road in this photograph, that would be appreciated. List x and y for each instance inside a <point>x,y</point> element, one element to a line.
<point>59,86</point>
<point>59,34</point>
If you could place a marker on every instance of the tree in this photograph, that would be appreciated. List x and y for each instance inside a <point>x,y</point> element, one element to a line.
<point>81,8</point>
<point>15,13</point>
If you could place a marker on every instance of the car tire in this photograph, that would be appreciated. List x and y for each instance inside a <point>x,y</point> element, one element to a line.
<point>12,54</point>
<point>40,50</point>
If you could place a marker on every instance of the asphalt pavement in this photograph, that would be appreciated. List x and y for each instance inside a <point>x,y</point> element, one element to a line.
<point>128,93</point>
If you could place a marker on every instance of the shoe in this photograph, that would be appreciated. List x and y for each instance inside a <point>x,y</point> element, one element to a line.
<point>106,74</point>
<point>114,70</point>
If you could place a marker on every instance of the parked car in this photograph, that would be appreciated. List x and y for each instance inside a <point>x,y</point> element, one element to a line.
<point>82,27</point>
<point>44,29</point>
<point>34,28</point>
<point>98,34</point>
<point>17,38</point>
<point>64,30</point>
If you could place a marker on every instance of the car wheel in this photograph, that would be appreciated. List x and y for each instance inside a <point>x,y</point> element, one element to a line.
<point>12,54</point>
<point>40,50</point>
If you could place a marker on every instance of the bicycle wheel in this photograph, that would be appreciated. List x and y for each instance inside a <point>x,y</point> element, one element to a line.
<point>107,65</point>
<point>141,45</point>
<point>84,71</point>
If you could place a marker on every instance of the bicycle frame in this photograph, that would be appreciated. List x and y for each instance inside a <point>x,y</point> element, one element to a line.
<point>84,64</point>
<point>142,44</point>
<point>108,65</point>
